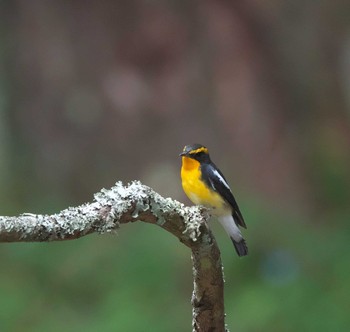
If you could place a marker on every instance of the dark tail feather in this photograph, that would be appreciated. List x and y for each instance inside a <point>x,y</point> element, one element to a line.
<point>241,247</point>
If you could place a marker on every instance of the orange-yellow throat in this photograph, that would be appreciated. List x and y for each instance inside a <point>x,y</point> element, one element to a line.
<point>196,190</point>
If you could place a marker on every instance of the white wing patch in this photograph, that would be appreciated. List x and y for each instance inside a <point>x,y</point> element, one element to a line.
<point>221,179</point>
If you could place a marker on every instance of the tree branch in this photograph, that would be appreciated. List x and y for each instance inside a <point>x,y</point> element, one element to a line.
<point>136,202</point>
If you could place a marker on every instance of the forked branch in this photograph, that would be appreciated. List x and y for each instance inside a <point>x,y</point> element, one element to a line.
<point>136,202</point>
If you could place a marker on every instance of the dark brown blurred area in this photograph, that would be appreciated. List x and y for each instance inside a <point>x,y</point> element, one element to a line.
<point>106,90</point>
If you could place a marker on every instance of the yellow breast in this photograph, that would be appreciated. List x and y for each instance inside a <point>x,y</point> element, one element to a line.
<point>196,190</point>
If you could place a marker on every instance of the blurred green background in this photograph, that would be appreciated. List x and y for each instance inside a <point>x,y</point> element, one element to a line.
<point>92,92</point>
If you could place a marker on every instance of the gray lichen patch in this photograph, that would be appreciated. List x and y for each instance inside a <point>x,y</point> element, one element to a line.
<point>121,198</point>
<point>69,220</point>
<point>6,224</point>
<point>145,198</point>
<point>161,207</point>
<point>140,195</point>
<point>102,215</point>
<point>117,199</point>
<point>193,218</point>
<point>20,228</point>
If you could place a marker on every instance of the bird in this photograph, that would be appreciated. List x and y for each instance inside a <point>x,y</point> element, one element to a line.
<point>204,184</point>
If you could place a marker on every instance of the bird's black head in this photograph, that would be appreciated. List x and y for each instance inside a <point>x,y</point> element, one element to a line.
<point>197,152</point>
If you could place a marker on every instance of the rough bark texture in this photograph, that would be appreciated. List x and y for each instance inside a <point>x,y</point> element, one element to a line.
<point>136,202</point>
<point>208,293</point>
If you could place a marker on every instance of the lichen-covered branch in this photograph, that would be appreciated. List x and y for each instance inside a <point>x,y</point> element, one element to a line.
<point>137,202</point>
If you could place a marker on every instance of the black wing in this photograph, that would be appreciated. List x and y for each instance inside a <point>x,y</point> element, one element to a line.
<point>213,177</point>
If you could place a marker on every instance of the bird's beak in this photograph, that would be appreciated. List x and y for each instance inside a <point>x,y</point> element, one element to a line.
<point>182,154</point>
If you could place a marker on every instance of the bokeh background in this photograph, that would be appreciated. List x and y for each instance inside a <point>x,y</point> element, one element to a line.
<point>92,92</point>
